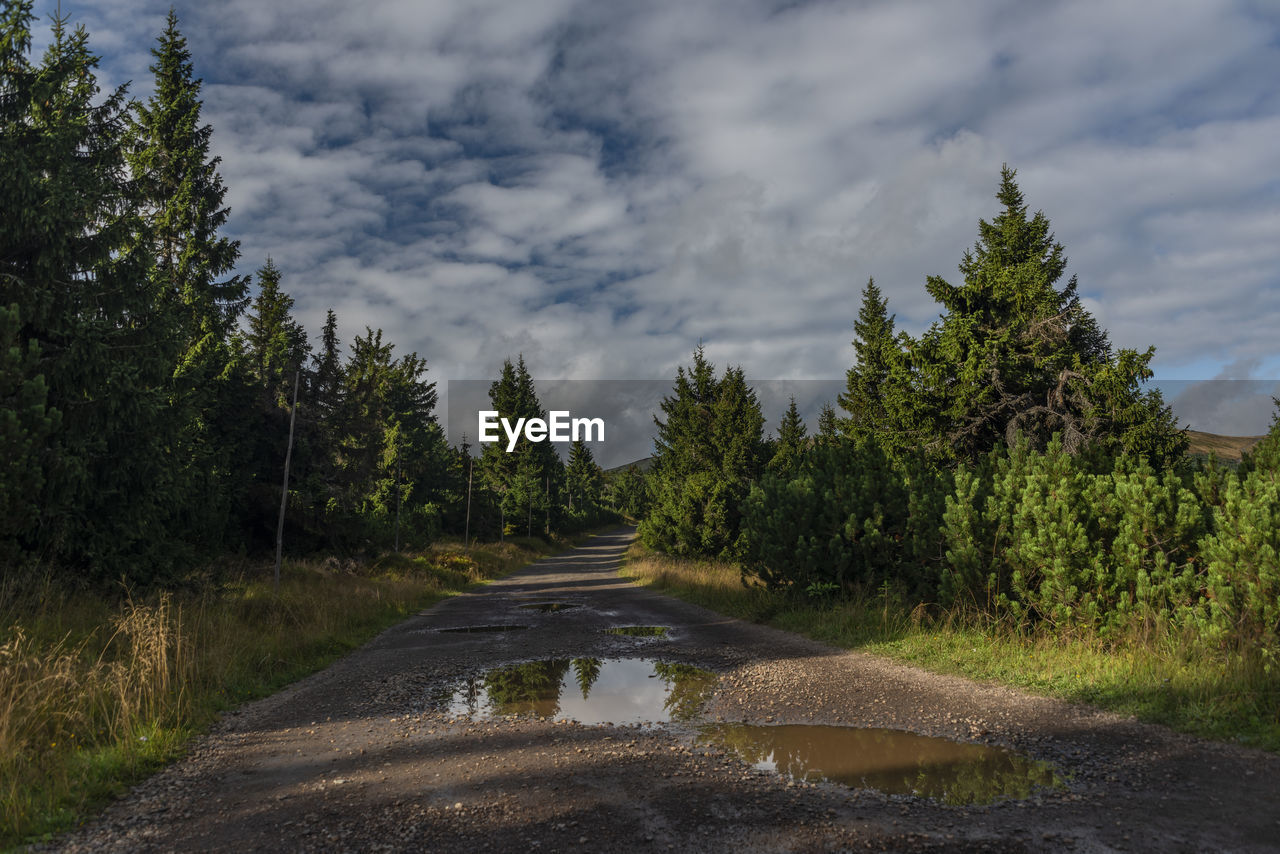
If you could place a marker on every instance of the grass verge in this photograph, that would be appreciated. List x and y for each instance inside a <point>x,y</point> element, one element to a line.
<point>96,694</point>
<point>1159,674</point>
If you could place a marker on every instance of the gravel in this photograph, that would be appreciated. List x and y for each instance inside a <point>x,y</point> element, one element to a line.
<point>364,757</point>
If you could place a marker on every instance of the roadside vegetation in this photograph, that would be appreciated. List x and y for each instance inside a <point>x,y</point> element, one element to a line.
<point>1159,672</point>
<point>1001,496</point>
<point>98,691</point>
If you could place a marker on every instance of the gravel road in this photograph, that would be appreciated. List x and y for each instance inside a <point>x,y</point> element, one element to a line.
<point>366,755</point>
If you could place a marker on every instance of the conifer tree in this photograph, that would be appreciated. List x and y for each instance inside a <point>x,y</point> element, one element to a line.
<point>182,200</point>
<point>70,263</point>
<point>876,351</point>
<point>274,345</point>
<point>828,425</point>
<point>583,481</point>
<point>181,203</point>
<point>1014,353</point>
<point>709,451</point>
<point>524,478</point>
<point>790,446</point>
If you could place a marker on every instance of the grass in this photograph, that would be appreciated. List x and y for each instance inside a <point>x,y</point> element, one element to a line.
<point>1161,674</point>
<point>1227,448</point>
<point>96,693</point>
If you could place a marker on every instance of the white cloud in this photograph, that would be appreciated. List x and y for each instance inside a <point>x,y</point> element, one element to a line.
<point>602,185</point>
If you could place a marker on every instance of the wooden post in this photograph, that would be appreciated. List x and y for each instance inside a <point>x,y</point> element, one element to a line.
<point>284,491</point>
<point>397,498</point>
<point>466,532</point>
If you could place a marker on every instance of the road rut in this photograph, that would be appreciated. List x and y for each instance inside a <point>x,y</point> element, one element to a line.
<point>364,755</point>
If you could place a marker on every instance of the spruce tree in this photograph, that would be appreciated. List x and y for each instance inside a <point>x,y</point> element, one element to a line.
<point>828,425</point>
<point>182,198</point>
<point>875,350</point>
<point>181,202</point>
<point>70,262</point>
<point>583,481</point>
<point>708,452</point>
<point>791,443</point>
<point>524,478</point>
<point>1014,353</point>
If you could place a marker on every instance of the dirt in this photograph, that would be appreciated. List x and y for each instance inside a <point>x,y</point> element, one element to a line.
<point>363,756</point>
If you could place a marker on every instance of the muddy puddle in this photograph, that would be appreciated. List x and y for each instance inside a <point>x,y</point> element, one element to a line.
<point>891,761</point>
<point>638,631</point>
<point>588,690</point>
<point>499,628</point>
<point>547,607</point>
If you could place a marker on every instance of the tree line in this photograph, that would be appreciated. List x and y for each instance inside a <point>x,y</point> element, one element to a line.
<point>1007,461</point>
<point>146,390</point>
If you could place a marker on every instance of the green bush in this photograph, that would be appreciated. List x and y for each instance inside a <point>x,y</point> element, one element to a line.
<point>1242,561</point>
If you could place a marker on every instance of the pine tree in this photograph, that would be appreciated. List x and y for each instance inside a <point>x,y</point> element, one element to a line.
<point>70,262</point>
<point>828,425</point>
<point>182,196</point>
<point>326,371</point>
<point>583,482</point>
<point>709,451</point>
<point>875,350</point>
<point>181,202</point>
<point>791,444</point>
<point>524,478</point>
<point>1014,353</point>
<point>274,345</point>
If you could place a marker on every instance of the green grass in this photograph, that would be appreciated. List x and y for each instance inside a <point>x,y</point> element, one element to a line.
<point>96,693</point>
<point>1161,674</point>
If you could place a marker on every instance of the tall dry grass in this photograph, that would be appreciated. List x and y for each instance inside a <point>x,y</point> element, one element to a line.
<point>95,693</point>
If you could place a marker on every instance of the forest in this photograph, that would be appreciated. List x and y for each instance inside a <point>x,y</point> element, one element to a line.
<point>147,392</point>
<point>165,423</point>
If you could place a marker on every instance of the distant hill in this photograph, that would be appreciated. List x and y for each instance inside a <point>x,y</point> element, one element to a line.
<point>1227,448</point>
<point>643,465</point>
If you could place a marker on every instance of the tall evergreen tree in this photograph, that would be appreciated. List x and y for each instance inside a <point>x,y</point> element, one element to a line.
<point>182,198</point>
<point>791,443</point>
<point>181,202</point>
<point>876,351</point>
<point>583,481</point>
<point>70,262</point>
<point>524,478</point>
<point>1014,353</point>
<point>828,425</point>
<point>274,345</point>
<point>708,452</point>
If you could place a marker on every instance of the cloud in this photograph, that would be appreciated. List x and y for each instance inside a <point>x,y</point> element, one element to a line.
<point>601,186</point>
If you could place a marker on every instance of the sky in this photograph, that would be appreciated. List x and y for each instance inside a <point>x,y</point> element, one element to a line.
<point>600,186</point>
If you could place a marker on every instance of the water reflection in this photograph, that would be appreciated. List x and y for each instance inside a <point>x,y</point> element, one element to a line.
<point>588,690</point>
<point>638,631</point>
<point>506,627</point>
<point>891,761</point>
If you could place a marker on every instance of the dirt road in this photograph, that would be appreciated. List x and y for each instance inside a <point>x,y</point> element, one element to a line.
<point>376,753</point>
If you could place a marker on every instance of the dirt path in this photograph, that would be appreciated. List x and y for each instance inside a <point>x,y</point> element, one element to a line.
<point>365,757</point>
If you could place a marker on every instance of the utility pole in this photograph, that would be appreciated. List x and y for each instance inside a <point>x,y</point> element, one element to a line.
<point>398,490</point>
<point>471,468</point>
<point>284,491</point>
<point>547,523</point>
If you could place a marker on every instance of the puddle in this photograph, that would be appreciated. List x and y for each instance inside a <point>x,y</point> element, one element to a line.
<point>892,761</point>
<point>639,631</point>
<point>588,690</point>
<point>502,628</point>
<point>548,607</point>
